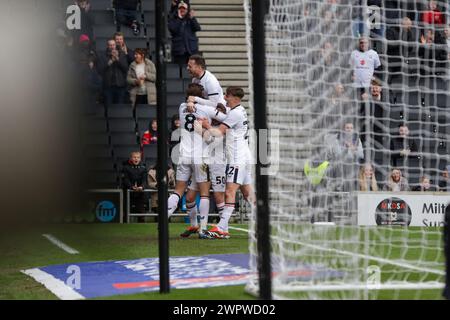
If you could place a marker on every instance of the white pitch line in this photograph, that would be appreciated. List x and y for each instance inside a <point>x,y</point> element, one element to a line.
<point>60,244</point>
<point>352,254</point>
<point>56,286</point>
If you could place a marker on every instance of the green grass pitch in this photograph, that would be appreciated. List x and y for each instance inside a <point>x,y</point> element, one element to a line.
<point>102,242</point>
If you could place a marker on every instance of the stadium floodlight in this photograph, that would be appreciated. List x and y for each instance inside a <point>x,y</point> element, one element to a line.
<point>333,124</point>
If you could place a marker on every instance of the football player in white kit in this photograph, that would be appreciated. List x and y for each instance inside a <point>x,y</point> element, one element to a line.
<point>238,170</point>
<point>192,150</point>
<point>212,96</point>
<point>211,86</point>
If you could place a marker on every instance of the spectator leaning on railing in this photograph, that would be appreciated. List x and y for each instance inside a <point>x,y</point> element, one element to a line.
<point>153,184</point>
<point>134,178</point>
<point>366,178</point>
<point>425,185</point>
<point>141,79</point>
<point>396,182</point>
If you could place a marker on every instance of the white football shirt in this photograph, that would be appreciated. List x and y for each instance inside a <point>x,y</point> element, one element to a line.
<point>212,89</point>
<point>237,148</point>
<point>192,144</point>
<point>364,64</point>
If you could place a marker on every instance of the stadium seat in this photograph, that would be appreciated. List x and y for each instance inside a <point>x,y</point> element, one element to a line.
<point>95,125</point>
<point>173,71</point>
<point>103,179</point>
<point>93,152</point>
<point>145,112</point>
<point>102,164</point>
<point>122,125</point>
<point>124,139</point>
<point>148,5</point>
<point>122,153</point>
<point>101,138</point>
<point>120,111</point>
<point>150,151</point>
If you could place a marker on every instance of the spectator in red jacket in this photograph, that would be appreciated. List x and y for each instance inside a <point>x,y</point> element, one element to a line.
<point>433,15</point>
<point>150,136</point>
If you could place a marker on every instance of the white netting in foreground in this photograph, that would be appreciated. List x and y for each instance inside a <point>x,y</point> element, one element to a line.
<point>337,131</point>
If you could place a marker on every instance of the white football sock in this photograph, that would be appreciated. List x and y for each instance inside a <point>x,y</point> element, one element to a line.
<point>226,215</point>
<point>204,212</point>
<point>172,204</point>
<point>192,212</point>
<point>220,208</point>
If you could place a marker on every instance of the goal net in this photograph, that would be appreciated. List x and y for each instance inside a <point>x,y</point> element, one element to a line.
<point>358,90</point>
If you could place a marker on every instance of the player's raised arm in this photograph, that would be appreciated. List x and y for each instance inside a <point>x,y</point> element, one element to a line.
<point>205,102</point>
<point>213,131</point>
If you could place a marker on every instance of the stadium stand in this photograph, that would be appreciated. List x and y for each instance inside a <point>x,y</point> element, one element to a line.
<point>112,133</point>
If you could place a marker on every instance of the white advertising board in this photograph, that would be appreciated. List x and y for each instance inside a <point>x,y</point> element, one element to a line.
<point>419,209</point>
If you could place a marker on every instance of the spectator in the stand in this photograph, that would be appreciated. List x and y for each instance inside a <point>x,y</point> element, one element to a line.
<point>150,136</point>
<point>141,79</point>
<point>91,80</point>
<point>402,147</point>
<point>134,178</point>
<point>360,17</point>
<point>427,37</point>
<point>153,184</point>
<point>174,6</point>
<point>364,61</point>
<point>328,25</point>
<point>120,42</point>
<point>359,27</point>
<point>402,56</point>
<point>87,19</point>
<point>447,36</point>
<point>350,144</point>
<point>367,180</point>
<point>377,107</point>
<point>112,65</point>
<point>175,133</point>
<point>447,40</point>
<point>346,151</point>
<point>424,185</point>
<point>433,15</point>
<point>211,86</point>
<point>444,182</point>
<point>126,14</point>
<point>183,27</point>
<point>339,101</point>
<point>396,182</point>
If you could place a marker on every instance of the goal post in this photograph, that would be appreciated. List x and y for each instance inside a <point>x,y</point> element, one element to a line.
<point>343,138</point>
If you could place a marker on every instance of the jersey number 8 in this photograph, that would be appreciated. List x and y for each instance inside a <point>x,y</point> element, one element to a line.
<point>190,119</point>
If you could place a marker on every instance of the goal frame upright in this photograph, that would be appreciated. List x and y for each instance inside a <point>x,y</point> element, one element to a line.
<point>259,11</point>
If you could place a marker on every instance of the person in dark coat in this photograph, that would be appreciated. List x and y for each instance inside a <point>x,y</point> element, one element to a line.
<point>87,20</point>
<point>183,27</point>
<point>112,65</point>
<point>403,147</point>
<point>134,177</point>
<point>126,14</point>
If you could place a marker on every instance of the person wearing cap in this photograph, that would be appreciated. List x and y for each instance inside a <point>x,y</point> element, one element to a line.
<point>183,27</point>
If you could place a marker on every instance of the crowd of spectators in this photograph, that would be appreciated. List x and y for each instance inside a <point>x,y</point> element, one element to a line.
<point>417,40</point>
<point>405,43</point>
